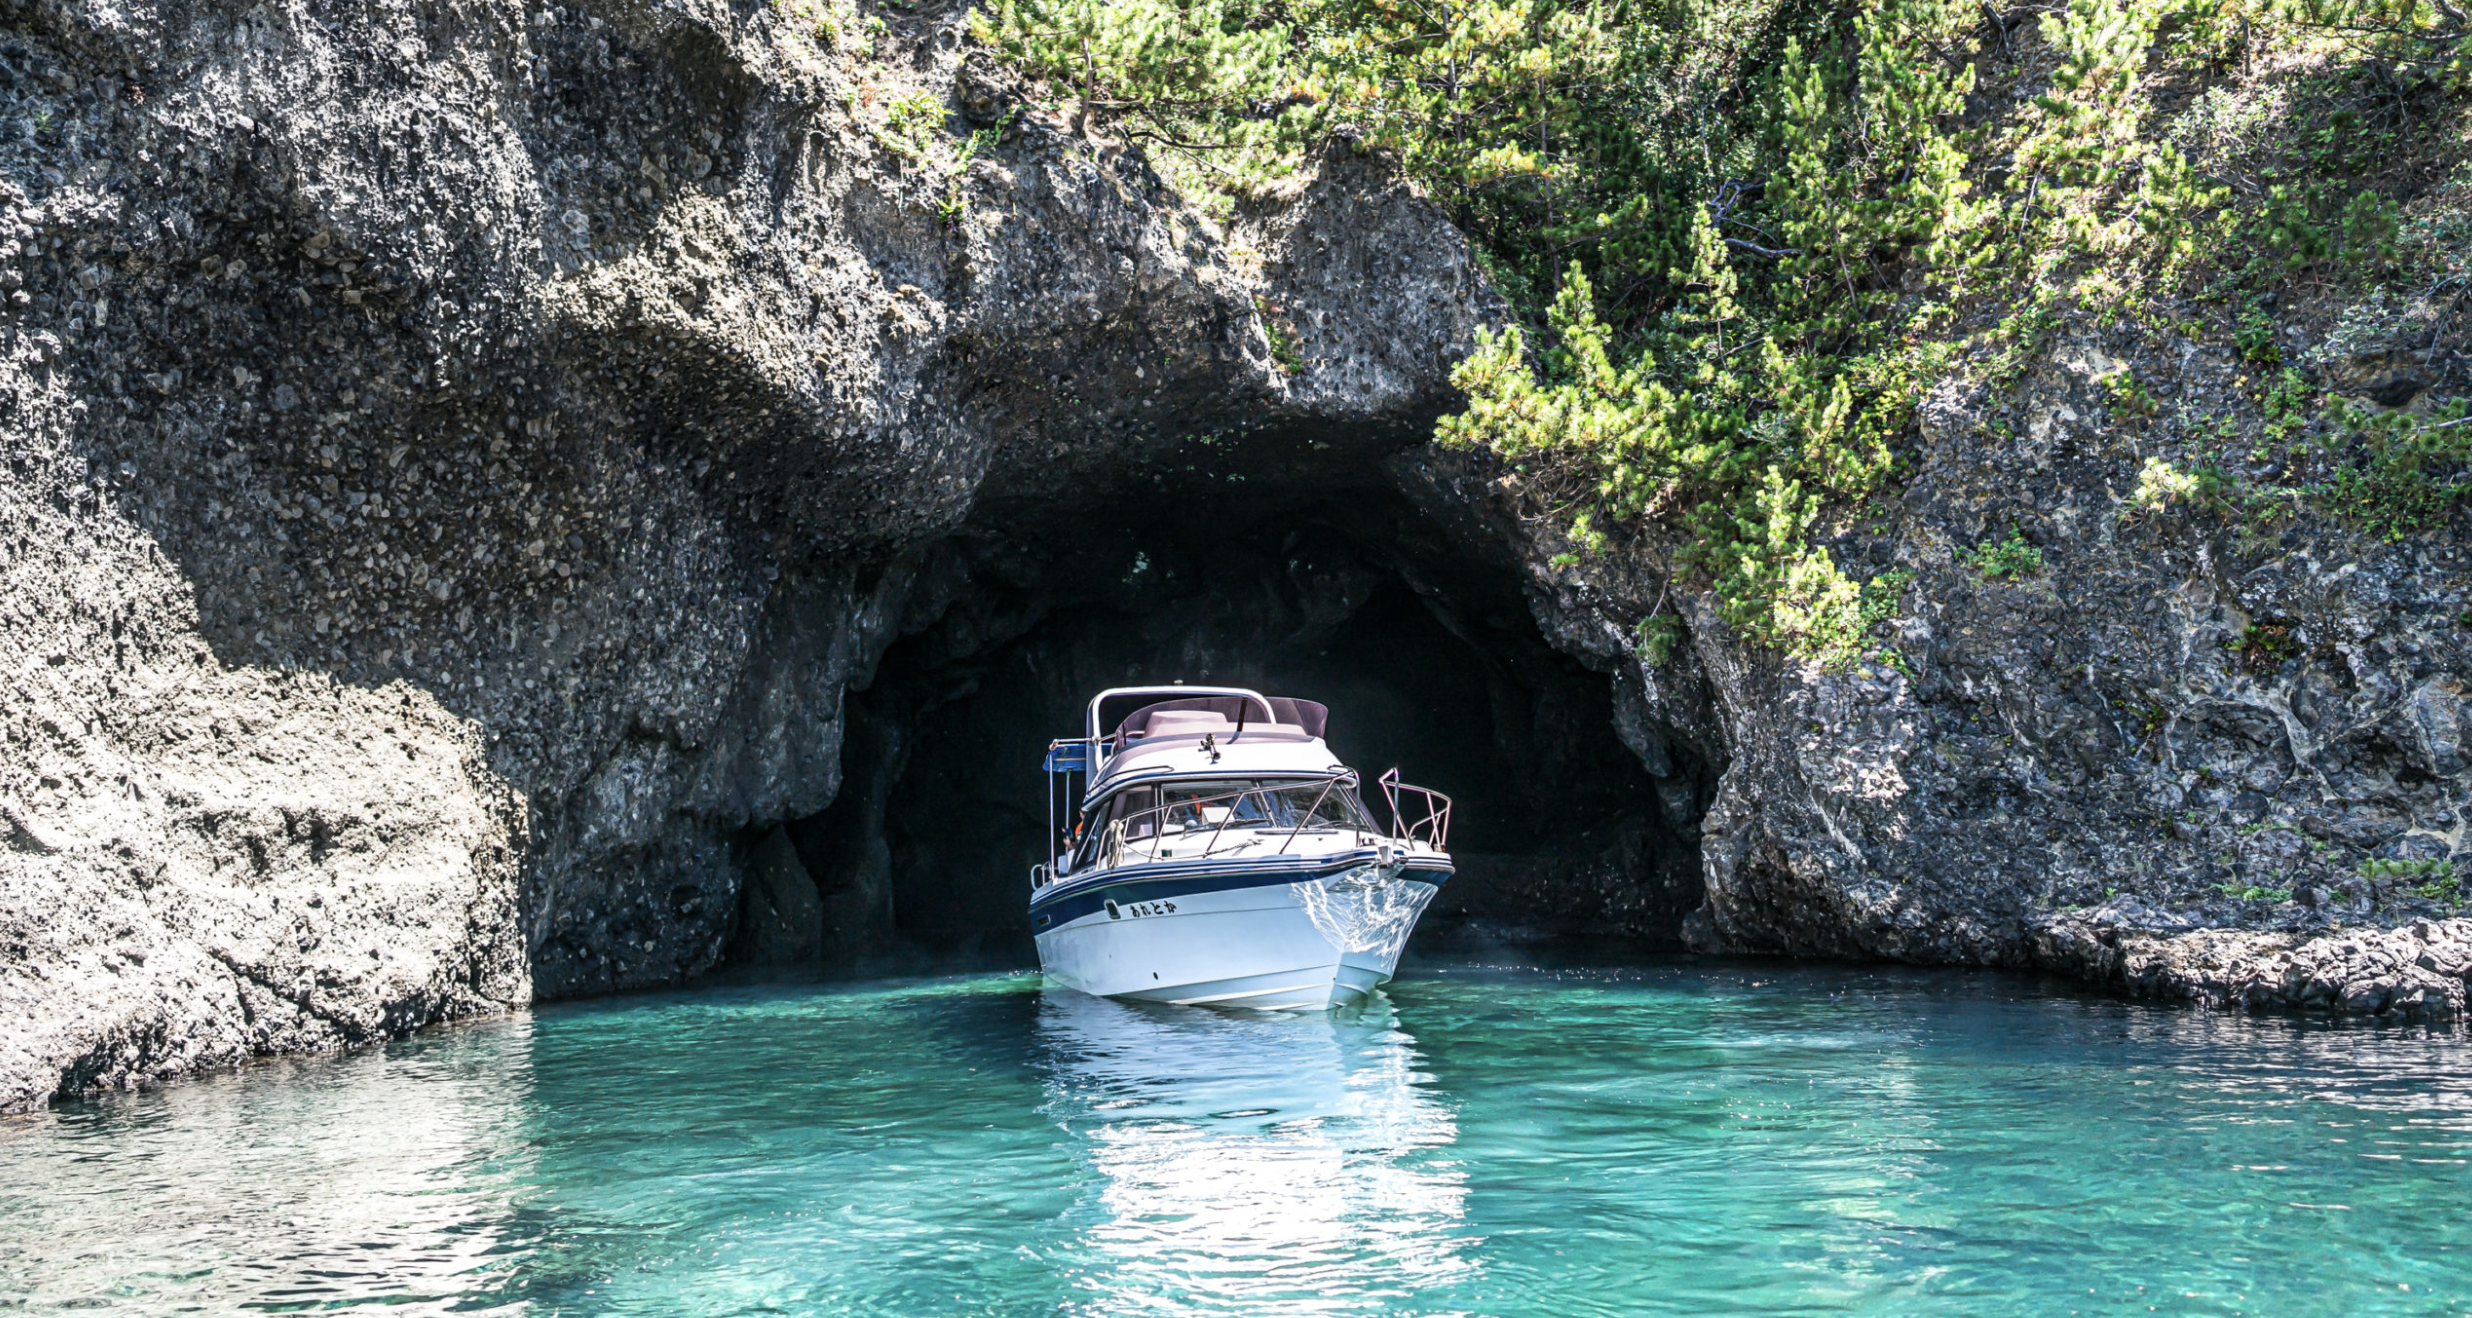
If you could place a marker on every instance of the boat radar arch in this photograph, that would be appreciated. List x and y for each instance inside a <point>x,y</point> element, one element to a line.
<point>1098,727</point>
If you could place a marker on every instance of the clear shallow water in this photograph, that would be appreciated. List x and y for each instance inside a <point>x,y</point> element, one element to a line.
<point>1669,1139</point>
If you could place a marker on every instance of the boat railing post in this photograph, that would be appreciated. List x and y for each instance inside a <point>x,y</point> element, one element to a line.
<point>1319,797</point>
<point>1231,798</point>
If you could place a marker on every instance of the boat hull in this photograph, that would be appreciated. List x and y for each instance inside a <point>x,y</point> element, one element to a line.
<point>1271,941</point>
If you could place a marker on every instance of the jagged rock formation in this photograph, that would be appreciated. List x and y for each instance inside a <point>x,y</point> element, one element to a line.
<point>460,452</point>
<point>2180,721</point>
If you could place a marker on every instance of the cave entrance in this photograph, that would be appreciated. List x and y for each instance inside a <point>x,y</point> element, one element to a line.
<point>1426,654</point>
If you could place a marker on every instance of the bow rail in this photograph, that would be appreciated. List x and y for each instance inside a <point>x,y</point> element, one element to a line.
<point>1432,827</point>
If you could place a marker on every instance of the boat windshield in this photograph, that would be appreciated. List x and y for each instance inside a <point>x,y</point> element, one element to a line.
<point>1231,806</point>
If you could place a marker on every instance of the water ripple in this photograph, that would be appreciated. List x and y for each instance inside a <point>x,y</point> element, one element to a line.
<point>1679,1138</point>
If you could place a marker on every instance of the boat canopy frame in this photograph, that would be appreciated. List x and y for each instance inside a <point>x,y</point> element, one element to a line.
<point>1097,727</point>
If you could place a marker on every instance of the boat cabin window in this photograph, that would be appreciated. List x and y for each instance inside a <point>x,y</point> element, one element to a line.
<point>1225,808</point>
<point>1139,811</point>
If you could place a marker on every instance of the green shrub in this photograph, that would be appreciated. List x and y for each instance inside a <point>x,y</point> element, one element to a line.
<point>1881,595</point>
<point>1657,636</point>
<point>2379,869</point>
<point>2287,405</point>
<point>2008,559</point>
<point>2255,337</point>
<point>2398,473</point>
<point>819,21</point>
<point>913,124</point>
<point>956,202</point>
<point>1282,338</point>
<point>2265,646</point>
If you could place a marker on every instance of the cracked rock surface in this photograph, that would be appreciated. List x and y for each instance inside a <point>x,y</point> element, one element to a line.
<point>2417,971</point>
<point>2187,757</point>
<point>459,452</point>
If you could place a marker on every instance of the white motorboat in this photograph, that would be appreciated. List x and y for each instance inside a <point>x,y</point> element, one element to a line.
<point>1220,854</point>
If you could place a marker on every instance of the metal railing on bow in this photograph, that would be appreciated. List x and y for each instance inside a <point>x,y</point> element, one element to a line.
<point>1431,827</point>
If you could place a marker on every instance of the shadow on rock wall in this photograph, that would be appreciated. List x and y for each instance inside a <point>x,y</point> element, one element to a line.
<point>1427,656</point>
<point>458,452</point>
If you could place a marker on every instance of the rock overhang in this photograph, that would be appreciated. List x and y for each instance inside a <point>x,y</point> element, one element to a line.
<point>597,378</point>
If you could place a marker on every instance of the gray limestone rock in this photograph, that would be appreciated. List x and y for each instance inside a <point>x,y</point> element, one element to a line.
<point>460,452</point>
<point>2178,724</point>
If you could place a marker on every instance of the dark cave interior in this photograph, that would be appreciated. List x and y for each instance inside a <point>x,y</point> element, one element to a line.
<point>1426,654</point>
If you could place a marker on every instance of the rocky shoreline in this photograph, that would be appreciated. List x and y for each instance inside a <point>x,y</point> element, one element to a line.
<point>2419,972</point>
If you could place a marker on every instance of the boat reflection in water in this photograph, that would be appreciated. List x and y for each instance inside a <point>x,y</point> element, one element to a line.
<point>1254,1163</point>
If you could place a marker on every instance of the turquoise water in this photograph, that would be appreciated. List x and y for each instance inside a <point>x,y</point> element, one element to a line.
<point>1677,1138</point>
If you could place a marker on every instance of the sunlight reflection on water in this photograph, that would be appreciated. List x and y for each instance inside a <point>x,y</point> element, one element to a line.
<point>301,1183</point>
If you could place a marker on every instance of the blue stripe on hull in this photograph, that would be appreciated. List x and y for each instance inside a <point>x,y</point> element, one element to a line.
<point>1143,885</point>
<point>1271,868</point>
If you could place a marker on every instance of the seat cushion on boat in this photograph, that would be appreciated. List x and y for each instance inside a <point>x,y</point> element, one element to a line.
<point>1187,723</point>
<point>1292,718</point>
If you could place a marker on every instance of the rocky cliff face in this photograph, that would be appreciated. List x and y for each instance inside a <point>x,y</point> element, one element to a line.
<point>460,452</point>
<point>461,455</point>
<point>2182,753</point>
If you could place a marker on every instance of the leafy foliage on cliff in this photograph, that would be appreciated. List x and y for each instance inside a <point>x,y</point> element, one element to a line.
<point>1746,235</point>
